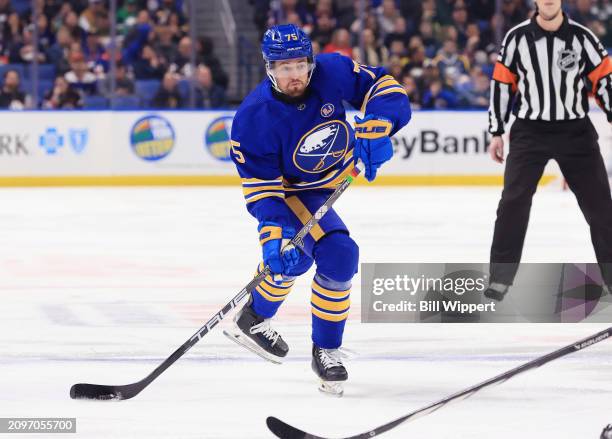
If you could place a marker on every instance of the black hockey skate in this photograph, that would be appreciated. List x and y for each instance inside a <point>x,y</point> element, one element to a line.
<point>496,291</point>
<point>327,364</point>
<point>254,333</point>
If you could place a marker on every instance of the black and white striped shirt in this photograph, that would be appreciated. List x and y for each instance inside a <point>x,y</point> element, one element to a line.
<point>541,75</point>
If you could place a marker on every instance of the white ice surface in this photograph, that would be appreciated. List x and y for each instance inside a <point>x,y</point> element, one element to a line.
<point>101,285</point>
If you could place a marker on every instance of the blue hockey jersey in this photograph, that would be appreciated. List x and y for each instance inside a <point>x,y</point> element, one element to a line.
<point>281,148</point>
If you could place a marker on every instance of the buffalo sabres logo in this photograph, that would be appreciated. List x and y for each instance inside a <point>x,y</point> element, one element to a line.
<point>327,110</point>
<point>567,60</point>
<point>322,147</point>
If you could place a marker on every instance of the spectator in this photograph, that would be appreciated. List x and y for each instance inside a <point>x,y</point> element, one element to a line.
<point>430,10</point>
<point>58,53</point>
<point>395,67</point>
<point>23,51</point>
<point>386,14</point>
<point>95,54</point>
<point>374,54</point>
<point>62,96</point>
<point>57,20</point>
<point>94,19</point>
<point>149,65</point>
<point>164,12</point>
<point>432,45</point>
<point>416,62</point>
<point>124,85</point>
<point>45,37</point>
<point>137,37</point>
<point>340,43</point>
<point>398,49</point>
<point>450,63</point>
<point>323,30</point>
<point>439,98</point>
<point>10,95</point>
<point>80,77</point>
<point>6,35</point>
<point>167,95</point>
<point>431,73</point>
<point>208,94</point>
<point>178,31</point>
<point>5,10</point>
<point>71,21</point>
<point>182,61</point>
<point>474,41</point>
<point>399,32</point>
<point>475,93</point>
<point>164,45</point>
<point>414,94</point>
<point>460,22</point>
<point>126,16</point>
<point>207,56</point>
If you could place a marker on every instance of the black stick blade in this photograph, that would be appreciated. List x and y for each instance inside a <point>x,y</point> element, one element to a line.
<point>96,391</point>
<point>286,431</point>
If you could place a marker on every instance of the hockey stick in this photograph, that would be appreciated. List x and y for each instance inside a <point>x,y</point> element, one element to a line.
<point>127,391</point>
<point>286,431</point>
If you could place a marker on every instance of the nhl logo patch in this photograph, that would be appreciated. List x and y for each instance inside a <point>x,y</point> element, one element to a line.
<point>567,60</point>
<point>327,110</point>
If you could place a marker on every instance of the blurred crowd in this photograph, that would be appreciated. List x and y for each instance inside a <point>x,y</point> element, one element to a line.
<point>442,51</point>
<point>153,54</point>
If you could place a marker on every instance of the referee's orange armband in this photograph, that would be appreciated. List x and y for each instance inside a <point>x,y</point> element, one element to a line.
<point>503,74</point>
<point>601,71</point>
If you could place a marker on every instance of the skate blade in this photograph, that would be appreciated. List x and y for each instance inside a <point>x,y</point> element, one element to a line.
<point>332,388</point>
<point>238,337</point>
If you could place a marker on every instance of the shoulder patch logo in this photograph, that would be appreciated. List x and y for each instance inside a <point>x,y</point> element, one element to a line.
<point>327,110</point>
<point>567,60</point>
<point>322,147</point>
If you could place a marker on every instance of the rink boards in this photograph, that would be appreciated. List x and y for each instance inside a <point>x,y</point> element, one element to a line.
<point>192,148</point>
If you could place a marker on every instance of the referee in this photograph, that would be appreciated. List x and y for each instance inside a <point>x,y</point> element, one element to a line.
<point>547,67</point>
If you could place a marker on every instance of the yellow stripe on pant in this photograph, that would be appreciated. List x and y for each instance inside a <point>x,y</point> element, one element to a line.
<point>301,211</point>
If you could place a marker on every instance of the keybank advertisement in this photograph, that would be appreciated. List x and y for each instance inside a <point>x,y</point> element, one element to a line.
<point>188,143</point>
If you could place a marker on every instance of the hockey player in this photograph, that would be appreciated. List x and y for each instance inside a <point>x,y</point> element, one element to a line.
<point>292,145</point>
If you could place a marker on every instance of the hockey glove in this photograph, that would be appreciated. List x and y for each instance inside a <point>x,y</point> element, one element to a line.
<point>372,143</point>
<point>272,237</point>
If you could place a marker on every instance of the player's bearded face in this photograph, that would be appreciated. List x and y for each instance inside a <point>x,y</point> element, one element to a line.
<point>292,76</point>
<point>549,9</point>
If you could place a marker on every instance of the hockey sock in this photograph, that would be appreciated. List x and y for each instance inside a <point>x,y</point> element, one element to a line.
<point>330,303</point>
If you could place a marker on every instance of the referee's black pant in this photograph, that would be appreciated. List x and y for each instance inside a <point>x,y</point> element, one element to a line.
<point>573,144</point>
